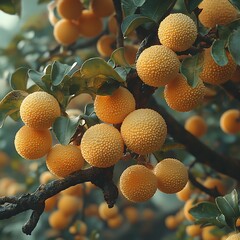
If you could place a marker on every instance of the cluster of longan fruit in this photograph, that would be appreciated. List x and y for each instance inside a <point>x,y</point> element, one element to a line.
<point>159,65</point>
<point>77,21</point>
<point>34,140</point>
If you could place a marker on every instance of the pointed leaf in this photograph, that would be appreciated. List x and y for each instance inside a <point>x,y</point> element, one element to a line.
<point>94,67</point>
<point>19,78</point>
<point>123,72</point>
<point>156,9</point>
<point>11,104</point>
<point>228,205</point>
<point>129,7</point>
<point>218,52</point>
<point>8,6</point>
<point>191,68</point>
<point>234,46</point>
<point>192,4</point>
<point>108,87</point>
<point>130,23</point>
<point>64,128</point>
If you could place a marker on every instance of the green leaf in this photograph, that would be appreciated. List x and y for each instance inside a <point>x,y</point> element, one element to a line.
<point>19,78</point>
<point>234,46</point>
<point>108,87</point>
<point>206,213</point>
<point>11,104</point>
<point>156,9</point>
<point>228,205</point>
<point>64,128</point>
<point>10,6</point>
<point>130,23</point>
<point>43,1</point>
<point>191,68</point>
<point>218,52</point>
<point>129,7</point>
<point>123,72</point>
<point>236,3</point>
<point>58,72</point>
<point>119,58</point>
<point>37,78</point>
<point>95,67</point>
<point>89,109</point>
<point>192,4</point>
<point>95,235</point>
<point>90,116</point>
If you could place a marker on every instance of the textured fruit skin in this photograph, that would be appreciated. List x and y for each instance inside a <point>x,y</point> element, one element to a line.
<point>138,183</point>
<point>31,143</point>
<point>105,212</point>
<point>157,65</point>
<point>196,125</point>
<point>114,108</point>
<point>39,110</point>
<point>102,8</point>
<point>144,131</point>
<point>102,145</point>
<point>68,204</point>
<point>65,32</point>
<point>215,74</point>
<point>58,220</point>
<point>177,31</point>
<point>230,121</point>
<point>62,160</point>
<point>89,25</point>
<point>182,97</point>
<point>234,237</point>
<point>69,9</point>
<point>172,175</point>
<point>215,12</point>
<point>105,45</point>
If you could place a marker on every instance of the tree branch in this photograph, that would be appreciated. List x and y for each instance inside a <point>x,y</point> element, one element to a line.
<point>202,153</point>
<point>101,177</point>
<point>232,89</point>
<point>119,17</point>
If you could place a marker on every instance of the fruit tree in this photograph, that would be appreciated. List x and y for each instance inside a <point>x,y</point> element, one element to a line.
<point>109,106</point>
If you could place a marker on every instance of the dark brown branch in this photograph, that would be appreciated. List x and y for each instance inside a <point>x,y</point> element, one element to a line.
<point>119,18</point>
<point>202,153</point>
<point>101,177</point>
<point>211,192</point>
<point>232,89</point>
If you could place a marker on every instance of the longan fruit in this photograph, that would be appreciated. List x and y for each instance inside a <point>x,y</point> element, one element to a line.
<point>105,212</point>
<point>196,125</point>
<point>131,214</point>
<point>106,44</point>
<point>50,203</point>
<point>66,32</point>
<point>39,110</point>
<point>208,235</point>
<point>115,221</point>
<point>31,143</point>
<point>46,177</point>
<point>102,8</point>
<point>69,205</point>
<point>114,108</point>
<point>193,230</point>
<point>235,236</point>
<point>62,160</point>
<point>181,97</point>
<point>215,74</point>
<point>76,190</point>
<point>138,183</point>
<point>58,220</point>
<point>177,31</point>
<point>230,121</point>
<point>217,12</point>
<point>144,131</point>
<point>187,206</point>
<point>69,9</point>
<point>215,183</point>
<point>171,222</point>
<point>157,65</point>
<point>172,175</point>
<point>89,25</point>
<point>102,145</point>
